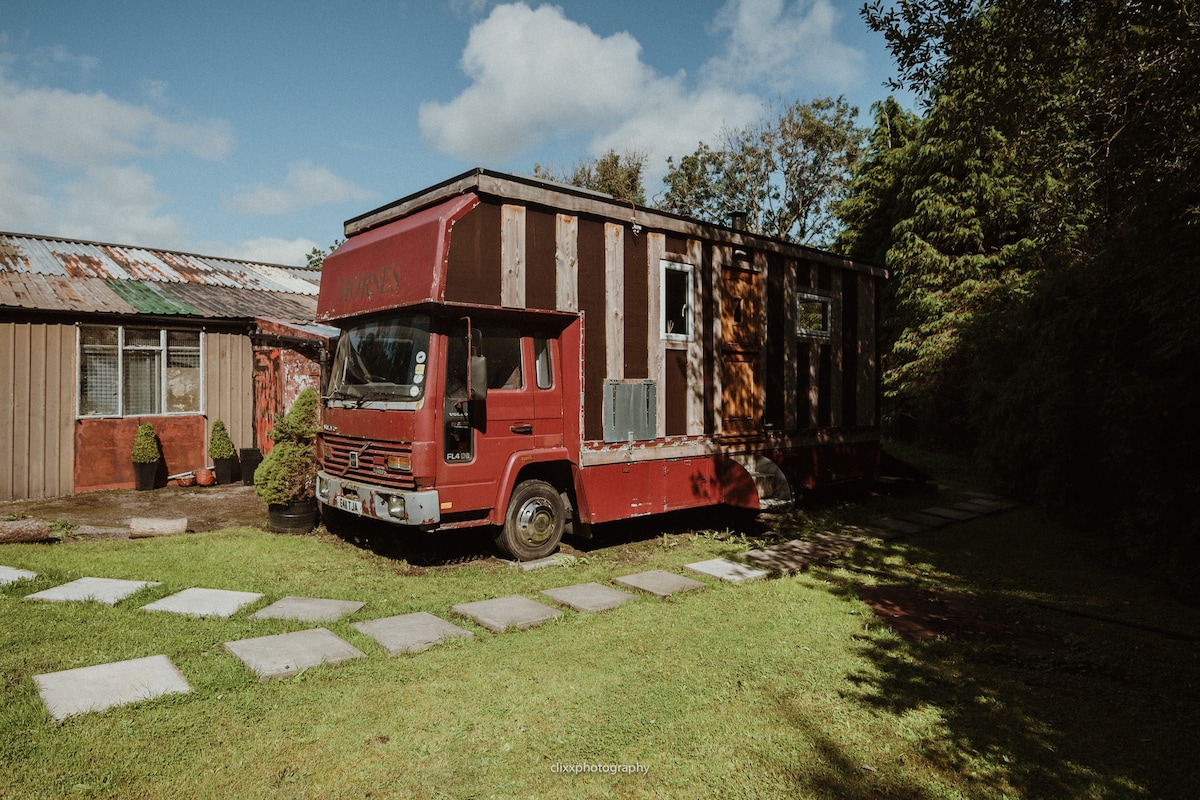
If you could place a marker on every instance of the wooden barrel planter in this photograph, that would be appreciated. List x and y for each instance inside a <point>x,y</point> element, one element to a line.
<point>298,516</point>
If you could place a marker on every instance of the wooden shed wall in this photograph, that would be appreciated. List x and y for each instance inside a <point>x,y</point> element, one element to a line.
<point>37,410</point>
<point>37,404</point>
<point>229,386</point>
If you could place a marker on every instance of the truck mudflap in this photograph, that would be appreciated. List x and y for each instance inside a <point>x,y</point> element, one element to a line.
<point>399,507</point>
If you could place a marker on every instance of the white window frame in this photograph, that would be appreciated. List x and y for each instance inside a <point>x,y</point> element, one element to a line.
<point>120,372</point>
<point>827,316</point>
<point>689,315</point>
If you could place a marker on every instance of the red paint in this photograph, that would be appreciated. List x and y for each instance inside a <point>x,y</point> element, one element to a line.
<point>398,264</point>
<point>103,448</point>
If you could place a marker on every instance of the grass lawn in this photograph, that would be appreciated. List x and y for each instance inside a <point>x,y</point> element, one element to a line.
<point>782,688</point>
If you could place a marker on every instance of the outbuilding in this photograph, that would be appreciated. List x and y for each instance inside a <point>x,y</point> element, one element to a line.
<point>98,338</point>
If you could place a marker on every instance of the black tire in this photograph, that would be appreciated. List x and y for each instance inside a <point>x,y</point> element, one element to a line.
<point>533,526</point>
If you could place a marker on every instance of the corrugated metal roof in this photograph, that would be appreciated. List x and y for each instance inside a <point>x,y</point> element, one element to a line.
<point>41,273</point>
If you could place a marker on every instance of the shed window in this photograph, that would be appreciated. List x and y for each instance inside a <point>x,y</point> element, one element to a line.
<point>676,301</point>
<point>812,316</point>
<point>127,372</point>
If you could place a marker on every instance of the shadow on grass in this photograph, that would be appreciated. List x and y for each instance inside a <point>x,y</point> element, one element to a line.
<point>1022,701</point>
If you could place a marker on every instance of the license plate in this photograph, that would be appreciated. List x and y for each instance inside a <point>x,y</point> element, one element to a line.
<point>346,504</point>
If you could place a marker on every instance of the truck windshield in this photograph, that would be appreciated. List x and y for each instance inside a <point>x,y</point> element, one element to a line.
<point>382,359</point>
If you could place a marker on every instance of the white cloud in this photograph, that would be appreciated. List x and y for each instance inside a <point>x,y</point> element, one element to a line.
<point>534,72</point>
<point>305,186</point>
<point>779,43</point>
<point>265,250</point>
<point>537,75</point>
<point>71,164</point>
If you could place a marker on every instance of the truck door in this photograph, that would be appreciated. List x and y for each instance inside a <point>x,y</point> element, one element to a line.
<point>522,411</point>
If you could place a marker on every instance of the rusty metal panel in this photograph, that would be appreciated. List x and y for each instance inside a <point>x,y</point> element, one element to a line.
<point>46,274</point>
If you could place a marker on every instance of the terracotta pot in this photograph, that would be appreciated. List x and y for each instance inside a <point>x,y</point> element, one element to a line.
<point>186,480</point>
<point>205,477</point>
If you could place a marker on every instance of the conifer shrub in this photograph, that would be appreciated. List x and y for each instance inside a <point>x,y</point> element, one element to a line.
<point>219,443</point>
<point>289,472</point>
<point>146,449</point>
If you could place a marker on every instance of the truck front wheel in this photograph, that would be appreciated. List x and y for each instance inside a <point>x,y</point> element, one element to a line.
<point>533,526</point>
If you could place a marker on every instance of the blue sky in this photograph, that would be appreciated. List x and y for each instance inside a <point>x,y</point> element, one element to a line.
<point>254,129</point>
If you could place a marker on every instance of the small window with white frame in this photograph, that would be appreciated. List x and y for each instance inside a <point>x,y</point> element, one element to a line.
<point>676,292</point>
<point>812,315</point>
<point>128,372</point>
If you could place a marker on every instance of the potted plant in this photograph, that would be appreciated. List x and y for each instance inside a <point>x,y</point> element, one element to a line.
<point>287,477</point>
<point>147,455</point>
<point>220,450</point>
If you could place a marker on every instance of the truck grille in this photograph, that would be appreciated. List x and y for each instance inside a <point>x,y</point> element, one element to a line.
<point>337,455</point>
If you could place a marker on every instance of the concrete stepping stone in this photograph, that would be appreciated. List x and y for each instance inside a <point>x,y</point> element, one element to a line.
<point>284,654</point>
<point>308,609</point>
<point>727,570</point>
<point>792,557</point>
<point>204,602</point>
<point>983,506</point>
<point>659,582</point>
<point>411,633</point>
<point>558,559</point>
<point>868,530</point>
<point>502,613</point>
<point>12,575</point>
<point>899,526</point>
<point>146,527</point>
<point>589,597</point>
<point>76,691</point>
<point>921,518</point>
<point>956,514</point>
<point>108,591</point>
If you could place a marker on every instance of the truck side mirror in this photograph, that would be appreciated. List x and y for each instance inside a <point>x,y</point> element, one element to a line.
<point>477,368</point>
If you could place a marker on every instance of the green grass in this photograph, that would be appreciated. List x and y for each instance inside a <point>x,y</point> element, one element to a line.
<point>781,688</point>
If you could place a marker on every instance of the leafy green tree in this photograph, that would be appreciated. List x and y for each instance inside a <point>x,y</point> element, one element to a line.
<point>315,258</point>
<point>1045,255</point>
<point>787,173</point>
<point>620,175</point>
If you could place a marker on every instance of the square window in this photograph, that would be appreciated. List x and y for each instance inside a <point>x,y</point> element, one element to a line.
<point>812,316</point>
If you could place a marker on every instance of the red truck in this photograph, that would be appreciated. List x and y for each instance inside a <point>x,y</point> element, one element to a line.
<point>540,358</point>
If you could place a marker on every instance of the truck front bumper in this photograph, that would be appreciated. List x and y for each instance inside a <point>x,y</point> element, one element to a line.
<point>419,509</point>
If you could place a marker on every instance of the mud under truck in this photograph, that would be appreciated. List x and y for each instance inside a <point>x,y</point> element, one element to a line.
<point>540,358</point>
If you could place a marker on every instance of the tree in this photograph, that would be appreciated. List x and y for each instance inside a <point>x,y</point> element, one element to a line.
<point>786,173</point>
<point>1045,258</point>
<point>315,258</point>
<point>620,175</point>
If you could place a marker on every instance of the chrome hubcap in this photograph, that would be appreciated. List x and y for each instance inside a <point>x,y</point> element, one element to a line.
<point>535,521</point>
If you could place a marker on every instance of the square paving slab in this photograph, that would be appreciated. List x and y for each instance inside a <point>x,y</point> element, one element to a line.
<point>727,570</point>
<point>204,602</point>
<point>589,596</point>
<point>411,633</point>
<point>796,555</point>
<point>286,654</point>
<point>956,514</point>
<point>502,613</point>
<point>76,691</point>
<point>12,575</point>
<point>923,519</point>
<point>109,591</point>
<point>983,506</point>
<point>308,609</point>
<point>659,582</point>
<point>898,526</point>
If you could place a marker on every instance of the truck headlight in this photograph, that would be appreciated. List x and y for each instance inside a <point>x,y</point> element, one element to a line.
<point>395,506</point>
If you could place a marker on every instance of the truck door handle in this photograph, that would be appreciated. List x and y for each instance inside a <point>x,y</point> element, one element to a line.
<point>525,429</point>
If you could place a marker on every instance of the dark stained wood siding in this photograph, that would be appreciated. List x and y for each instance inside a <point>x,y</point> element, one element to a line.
<point>474,258</point>
<point>637,325</point>
<point>591,303</point>
<point>539,253</point>
<point>676,393</point>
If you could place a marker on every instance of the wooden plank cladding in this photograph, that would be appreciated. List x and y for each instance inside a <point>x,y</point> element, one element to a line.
<point>37,410</point>
<point>745,337</point>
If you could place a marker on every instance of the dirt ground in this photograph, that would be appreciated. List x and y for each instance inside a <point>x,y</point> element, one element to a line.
<point>102,514</point>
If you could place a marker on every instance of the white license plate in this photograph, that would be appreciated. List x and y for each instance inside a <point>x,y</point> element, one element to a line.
<point>346,504</point>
